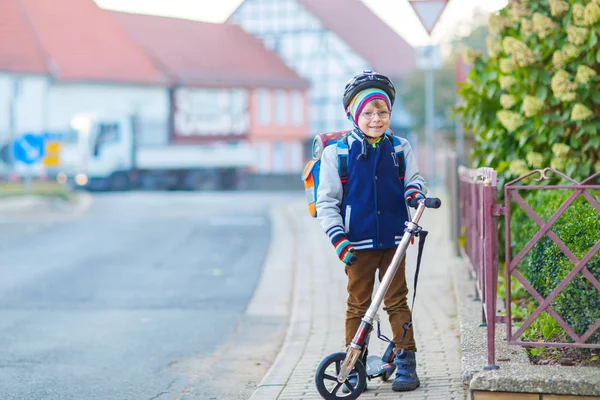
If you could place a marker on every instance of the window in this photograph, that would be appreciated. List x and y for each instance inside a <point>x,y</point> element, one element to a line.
<point>264,107</point>
<point>296,156</point>
<point>262,163</point>
<point>278,158</point>
<point>297,108</point>
<point>281,107</point>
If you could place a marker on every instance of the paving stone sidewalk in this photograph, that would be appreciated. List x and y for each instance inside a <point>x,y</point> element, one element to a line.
<point>320,306</point>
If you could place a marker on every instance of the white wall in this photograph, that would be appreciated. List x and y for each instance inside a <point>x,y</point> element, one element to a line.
<point>29,103</point>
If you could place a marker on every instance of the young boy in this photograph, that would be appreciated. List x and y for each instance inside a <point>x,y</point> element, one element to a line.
<point>364,217</point>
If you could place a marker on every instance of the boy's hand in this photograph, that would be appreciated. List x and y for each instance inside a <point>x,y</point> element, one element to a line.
<point>342,245</point>
<point>413,192</point>
<point>345,252</point>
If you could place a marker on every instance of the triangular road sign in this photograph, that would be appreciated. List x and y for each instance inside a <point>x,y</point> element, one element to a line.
<point>429,12</point>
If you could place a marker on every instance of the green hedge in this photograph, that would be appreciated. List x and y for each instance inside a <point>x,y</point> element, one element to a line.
<point>546,266</point>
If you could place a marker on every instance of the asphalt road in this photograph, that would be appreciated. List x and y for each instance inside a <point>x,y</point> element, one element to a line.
<point>141,297</point>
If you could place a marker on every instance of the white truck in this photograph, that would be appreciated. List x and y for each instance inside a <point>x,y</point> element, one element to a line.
<point>103,154</point>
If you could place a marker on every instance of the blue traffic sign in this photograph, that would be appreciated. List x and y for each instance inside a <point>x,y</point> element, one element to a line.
<point>28,148</point>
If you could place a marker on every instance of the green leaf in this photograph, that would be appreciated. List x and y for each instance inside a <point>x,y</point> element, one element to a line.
<point>592,143</point>
<point>593,40</point>
<point>598,56</point>
<point>574,142</point>
<point>541,93</point>
<point>596,95</point>
<point>590,129</point>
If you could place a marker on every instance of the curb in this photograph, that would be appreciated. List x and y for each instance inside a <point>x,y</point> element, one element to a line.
<point>23,203</point>
<point>81,203</point>
<point>515,373</point>
<point>298,330</point>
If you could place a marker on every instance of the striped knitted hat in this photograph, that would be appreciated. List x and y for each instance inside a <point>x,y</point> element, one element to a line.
<point>359,102</point>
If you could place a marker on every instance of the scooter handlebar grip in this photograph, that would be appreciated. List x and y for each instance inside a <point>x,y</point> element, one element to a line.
<point>433,202</point>
<point>430,202</point>
<point>413,203</point>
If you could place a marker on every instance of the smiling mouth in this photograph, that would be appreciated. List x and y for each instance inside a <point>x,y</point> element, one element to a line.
<point>376,127</point>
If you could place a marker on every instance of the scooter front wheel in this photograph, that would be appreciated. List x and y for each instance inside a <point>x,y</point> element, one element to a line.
<point>327,383</point>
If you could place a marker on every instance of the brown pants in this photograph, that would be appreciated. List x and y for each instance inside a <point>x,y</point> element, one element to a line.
<point>361,279</point>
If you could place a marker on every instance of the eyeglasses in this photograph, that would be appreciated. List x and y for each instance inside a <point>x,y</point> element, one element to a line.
<point>371,115</point>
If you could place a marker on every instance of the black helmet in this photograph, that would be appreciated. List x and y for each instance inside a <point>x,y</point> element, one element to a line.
<point>365,80</point>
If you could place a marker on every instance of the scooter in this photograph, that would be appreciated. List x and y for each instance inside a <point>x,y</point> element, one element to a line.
<point>333,371</point>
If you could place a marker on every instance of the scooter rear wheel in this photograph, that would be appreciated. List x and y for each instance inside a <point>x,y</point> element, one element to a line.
<point>386,375</point>
<point>326,378</point>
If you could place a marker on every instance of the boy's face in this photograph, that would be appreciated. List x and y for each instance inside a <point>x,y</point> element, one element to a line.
<point>374,119</point>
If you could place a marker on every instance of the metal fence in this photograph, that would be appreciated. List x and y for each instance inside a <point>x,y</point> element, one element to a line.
<point>478,211</point>
<point>479,245</point>
<point>511,193</point>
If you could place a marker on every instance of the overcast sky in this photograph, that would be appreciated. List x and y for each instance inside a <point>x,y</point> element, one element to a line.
<point>398,14</point>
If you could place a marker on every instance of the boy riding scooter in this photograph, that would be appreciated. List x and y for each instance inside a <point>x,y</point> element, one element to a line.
<point>363,211</point>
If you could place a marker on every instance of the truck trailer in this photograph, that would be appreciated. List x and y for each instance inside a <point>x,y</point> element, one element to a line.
<point>104,154</point>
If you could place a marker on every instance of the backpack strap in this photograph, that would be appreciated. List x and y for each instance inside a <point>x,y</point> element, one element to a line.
<point>343,154</point>
<point>343,151</point>
<point>399,156</point>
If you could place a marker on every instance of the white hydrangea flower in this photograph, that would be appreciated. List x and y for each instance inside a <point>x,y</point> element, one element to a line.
<point>506,66</point>
<point>577,36</point>
<point>580,112</point>
<point>558,7</point>
<point>535,160</point>
<point>470,55</point>
<point>498,23</point>
<point>527,26</point>
<point>510,120</point>
<point>543,25</point>
<point>507,101</point>
<point>584,74</point>
<point>557,164</point>
<point>506,82</point>
<point>494,48</point>
<point>518,167</point>
<point>562,87</point>
<point>532,106</point>
<point>560,150</point>
<point>578,14</point>
<point>591,14</point>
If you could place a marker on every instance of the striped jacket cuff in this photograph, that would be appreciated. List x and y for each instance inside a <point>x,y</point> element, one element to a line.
<point>334,232</point>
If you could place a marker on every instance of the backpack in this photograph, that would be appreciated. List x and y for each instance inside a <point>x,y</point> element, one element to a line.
<point>310,174</point>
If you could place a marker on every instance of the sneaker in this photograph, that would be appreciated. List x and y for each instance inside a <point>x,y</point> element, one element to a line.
<point>406,372</point>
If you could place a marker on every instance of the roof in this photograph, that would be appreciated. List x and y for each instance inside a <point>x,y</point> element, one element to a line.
<point>74,40</point>
<point>19,49</point>
<point>396,59</point>
<point>207,54</point>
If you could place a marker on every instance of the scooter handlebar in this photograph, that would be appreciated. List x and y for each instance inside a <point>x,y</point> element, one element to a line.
<point>430,202</point>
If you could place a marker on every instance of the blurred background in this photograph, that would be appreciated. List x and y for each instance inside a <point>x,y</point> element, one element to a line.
<point>192,95</point>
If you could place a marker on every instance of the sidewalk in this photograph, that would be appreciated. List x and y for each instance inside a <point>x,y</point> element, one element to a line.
<point>318,307</point>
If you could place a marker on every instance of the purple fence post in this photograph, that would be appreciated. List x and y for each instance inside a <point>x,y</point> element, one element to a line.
<point>490,262</point>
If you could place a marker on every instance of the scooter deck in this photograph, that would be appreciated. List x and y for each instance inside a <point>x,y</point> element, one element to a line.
<point>376,366</point>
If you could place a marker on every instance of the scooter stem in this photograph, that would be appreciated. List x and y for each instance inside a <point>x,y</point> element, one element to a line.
<point>411,226</point>
<point>354,350</point>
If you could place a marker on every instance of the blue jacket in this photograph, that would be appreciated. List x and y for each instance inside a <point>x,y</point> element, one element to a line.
<point>371,206</point>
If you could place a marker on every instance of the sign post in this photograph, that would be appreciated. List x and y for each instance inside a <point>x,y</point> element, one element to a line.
<point>429,59</point>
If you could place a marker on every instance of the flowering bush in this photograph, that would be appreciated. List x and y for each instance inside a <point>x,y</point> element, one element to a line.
<point>534,102</point>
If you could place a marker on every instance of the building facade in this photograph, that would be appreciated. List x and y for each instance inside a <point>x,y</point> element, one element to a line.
<point>58,66</point>
<point>320,41</point>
